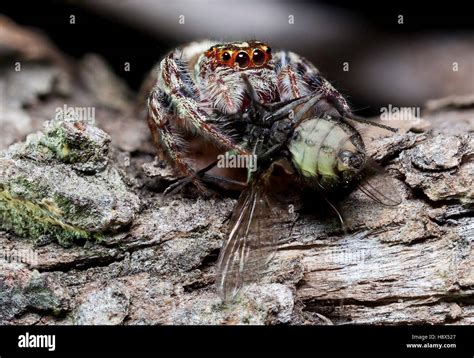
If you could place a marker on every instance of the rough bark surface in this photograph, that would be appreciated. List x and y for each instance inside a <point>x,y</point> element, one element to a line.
<point>413,263</point>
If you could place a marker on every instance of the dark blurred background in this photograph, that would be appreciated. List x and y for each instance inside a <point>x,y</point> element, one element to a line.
<point>389,62</point>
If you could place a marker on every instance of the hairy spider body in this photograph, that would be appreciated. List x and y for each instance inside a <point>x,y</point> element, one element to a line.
<point>200,86</point>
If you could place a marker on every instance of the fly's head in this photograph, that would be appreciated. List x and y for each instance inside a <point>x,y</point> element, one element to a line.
<point>350,163</point>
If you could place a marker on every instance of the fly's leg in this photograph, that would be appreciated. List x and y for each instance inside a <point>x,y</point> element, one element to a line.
<point>191,178</point>
<point>218,179</point>
<point>202,176</point>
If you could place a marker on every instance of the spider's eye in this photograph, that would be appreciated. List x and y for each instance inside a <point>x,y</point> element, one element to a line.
<point>226,56</point>
<point>269,50</point>
<point>258,57</point>
<point>242,59</point>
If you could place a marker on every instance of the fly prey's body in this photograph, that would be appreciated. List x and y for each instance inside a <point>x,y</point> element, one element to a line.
<point>325,152</point>
<point>325,149</point>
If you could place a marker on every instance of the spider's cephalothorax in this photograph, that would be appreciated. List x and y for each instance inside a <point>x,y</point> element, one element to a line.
<point>219,74</point>
<point>200,86</point>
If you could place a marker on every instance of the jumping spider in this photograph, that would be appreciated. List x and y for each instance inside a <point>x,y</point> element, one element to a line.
<point>241,98</point>
<point>199,89</point>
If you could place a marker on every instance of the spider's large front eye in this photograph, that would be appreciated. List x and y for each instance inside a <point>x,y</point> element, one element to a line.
<point>258,57</point>
<point>226,56</point>
<point>242,59</point>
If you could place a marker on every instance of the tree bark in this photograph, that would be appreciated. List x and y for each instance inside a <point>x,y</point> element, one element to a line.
<point>413,263</point>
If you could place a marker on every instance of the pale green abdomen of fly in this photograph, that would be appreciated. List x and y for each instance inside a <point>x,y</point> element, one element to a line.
<point>315,147</point>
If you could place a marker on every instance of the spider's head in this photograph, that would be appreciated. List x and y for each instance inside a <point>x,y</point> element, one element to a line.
<point>241,55</point>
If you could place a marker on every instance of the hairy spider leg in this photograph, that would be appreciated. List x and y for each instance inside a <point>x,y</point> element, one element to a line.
<point>164,136</point>
<point>298,77</point>
<point>179,86</point>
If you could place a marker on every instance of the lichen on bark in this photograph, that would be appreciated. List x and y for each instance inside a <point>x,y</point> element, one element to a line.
<point>61,183</point>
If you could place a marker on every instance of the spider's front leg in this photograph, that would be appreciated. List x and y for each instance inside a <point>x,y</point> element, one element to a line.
<point>166,136</point>
<point>174,110</point>
<point>176,81</point>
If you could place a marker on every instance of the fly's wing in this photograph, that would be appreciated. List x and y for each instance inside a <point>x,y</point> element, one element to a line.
<point>379,185</point>
<point>259,222</point>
